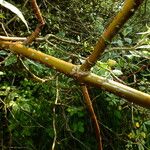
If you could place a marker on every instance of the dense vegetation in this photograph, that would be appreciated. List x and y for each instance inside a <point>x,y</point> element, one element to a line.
<point>34,113</point>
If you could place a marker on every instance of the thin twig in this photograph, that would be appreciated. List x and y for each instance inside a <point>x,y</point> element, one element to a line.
<point>118,21</point>
<point>48,36</point>
<point>54,115</point>
<point>12,19</point>
<point>5,59</point>
<point>114,76</point>
<point>93,116</point>
<point>4,29</point>
<point>33,75</point>
<point>40,19</point>
<point>62,40</point>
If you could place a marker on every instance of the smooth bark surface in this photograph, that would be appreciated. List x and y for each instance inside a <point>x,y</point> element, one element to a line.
<point>128,9</point>
<point>69,69</point>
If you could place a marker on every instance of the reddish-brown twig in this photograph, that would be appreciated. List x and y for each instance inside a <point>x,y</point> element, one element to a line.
<point>92,115</point>
<point>39,27</point>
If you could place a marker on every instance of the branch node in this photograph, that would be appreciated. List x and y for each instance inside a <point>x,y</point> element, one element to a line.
<point>78,73</point>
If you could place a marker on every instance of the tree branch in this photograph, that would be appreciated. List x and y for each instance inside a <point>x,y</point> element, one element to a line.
<point>130,6</point>
<point>39,27</point>
<point>69,69</point>
<point>93,116</point>
<point>47,37</point>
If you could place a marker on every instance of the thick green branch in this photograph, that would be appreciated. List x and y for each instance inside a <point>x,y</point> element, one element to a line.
<point>130,6</point>
<point>121,90</point>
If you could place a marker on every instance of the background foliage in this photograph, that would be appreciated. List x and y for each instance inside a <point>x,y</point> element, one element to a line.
<point>27,107</point>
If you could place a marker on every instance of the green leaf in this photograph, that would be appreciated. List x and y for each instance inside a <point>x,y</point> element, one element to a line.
<point>2,16</point>
<point>2,73</point>
<point>128,40</point>
<point>127,30</point>
<point>14,10</point>
<point>11,60</point>
<point>147,122</point>
<point>119,42</point>
<point>3,53</point>
<point>140,147</point>
<point>79,126</point>
<point>85,44</point>
<point>81,129</point>
<point>117,114</point>
<point>117,72</point>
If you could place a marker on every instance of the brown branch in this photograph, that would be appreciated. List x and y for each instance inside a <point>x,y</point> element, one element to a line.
<point>69,69</point>
<point>39,27</point>
<point>135,72</point>
<point>128,9</point>
<point>92,115</point>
